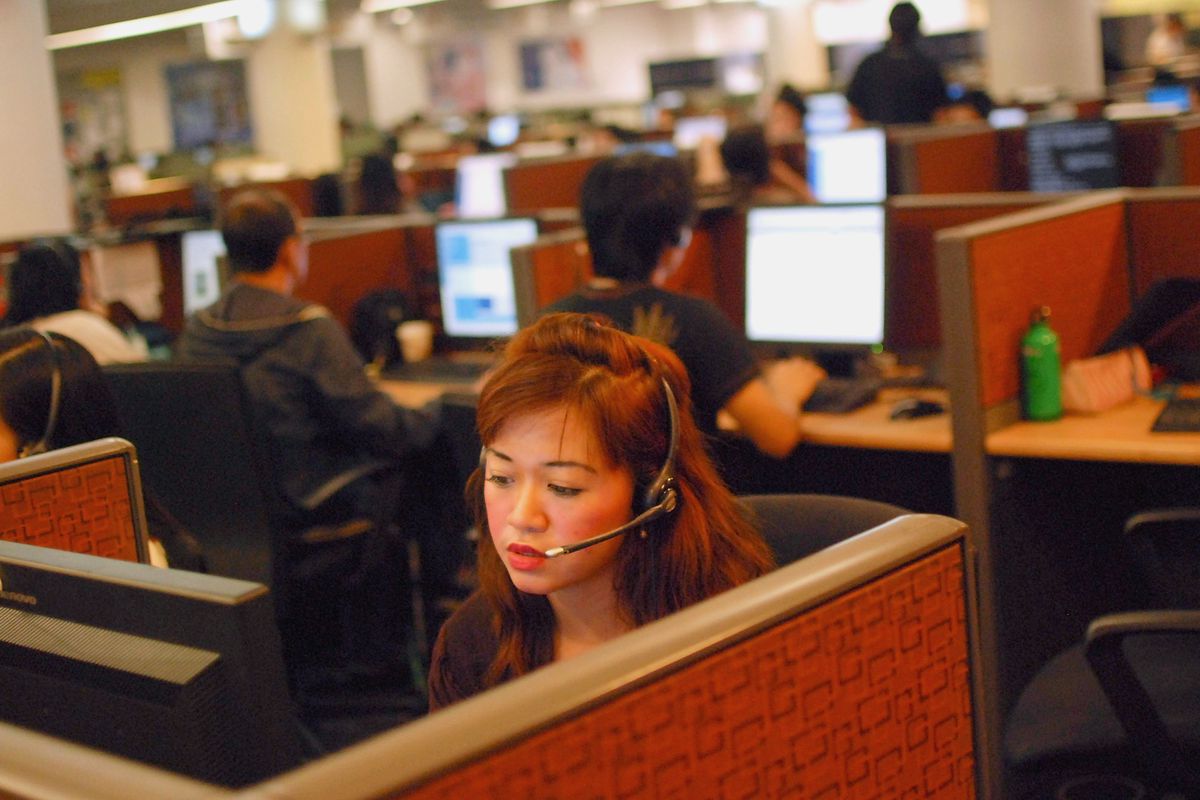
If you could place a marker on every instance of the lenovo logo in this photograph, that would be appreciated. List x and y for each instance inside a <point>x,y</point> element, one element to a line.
<point>17,597</point>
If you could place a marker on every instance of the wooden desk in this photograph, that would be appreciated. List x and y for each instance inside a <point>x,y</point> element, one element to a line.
<point>1120,434</point>
<point>871,427</point>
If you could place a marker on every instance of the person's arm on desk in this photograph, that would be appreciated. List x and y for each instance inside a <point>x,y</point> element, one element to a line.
<point>767,409</point>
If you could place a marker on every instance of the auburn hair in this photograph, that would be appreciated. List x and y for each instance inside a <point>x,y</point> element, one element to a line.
<point>614,382</point>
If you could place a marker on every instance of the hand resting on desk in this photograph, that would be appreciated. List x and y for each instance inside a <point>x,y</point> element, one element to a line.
<point>792,381</point>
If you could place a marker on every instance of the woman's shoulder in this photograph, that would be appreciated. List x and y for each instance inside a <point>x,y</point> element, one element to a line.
<point>463,653</point>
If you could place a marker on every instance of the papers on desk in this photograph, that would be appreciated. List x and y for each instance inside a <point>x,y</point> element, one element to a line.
<point>128,273</point>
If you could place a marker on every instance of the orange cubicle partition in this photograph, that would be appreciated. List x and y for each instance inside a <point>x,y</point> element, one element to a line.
<point>911,316</point>
<point>548,270</point>
<point>348,259</point>
<point>1162,235</point>
<point>536,184</point>
<point>162,198</point>
<point>1186,151</point>
<point>297,190</point>
<point>944,159</point>
<point>848,673</point>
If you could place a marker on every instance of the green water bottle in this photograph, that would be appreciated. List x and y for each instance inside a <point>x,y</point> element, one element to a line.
<point>1041,369</point>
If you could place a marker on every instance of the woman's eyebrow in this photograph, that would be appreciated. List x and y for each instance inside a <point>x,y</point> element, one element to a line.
<point>577,464</point>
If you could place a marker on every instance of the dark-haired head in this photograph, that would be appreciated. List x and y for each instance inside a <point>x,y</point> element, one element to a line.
<point>28,362</point>
<point>905,22</point>
<point>45,279</point>
<point>793,98</point>
<point>746,155</point>
<point>612,383</point>
<point>379,193</point>
<point>633,208</point>
<point>254,226</point>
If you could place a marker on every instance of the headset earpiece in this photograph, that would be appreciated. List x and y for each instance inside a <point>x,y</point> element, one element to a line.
<point>662,489</point>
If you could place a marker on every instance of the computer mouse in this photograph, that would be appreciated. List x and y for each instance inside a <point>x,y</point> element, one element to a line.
<point>912,408</point>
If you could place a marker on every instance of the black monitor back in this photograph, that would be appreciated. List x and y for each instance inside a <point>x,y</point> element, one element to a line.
<point>171,668</point>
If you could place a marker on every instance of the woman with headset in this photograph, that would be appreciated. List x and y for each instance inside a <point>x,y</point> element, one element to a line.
<point>52,395</point>
<point>598,507</point>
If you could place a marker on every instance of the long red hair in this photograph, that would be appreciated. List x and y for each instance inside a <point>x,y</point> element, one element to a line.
<point>614,382</point>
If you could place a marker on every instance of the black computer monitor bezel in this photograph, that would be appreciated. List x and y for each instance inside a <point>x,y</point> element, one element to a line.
<point>833,351</point>
<point>43,589</point>
<point>457,341</point>
<point>1032,128</point>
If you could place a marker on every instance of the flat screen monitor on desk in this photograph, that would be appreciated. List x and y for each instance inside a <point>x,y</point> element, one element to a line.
<point>1072,155</point>
<point>848,167</point>
<point>475,276</point>
<point>479,185</point>
<point>814,277</point>
<point>1175,97</point>
<point>689,131</point>
<point>171,668</point>
<point>205,270</point>
<point>826,112</point>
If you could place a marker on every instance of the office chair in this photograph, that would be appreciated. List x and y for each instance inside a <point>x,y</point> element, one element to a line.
<point>798,525</point>
<point>1123,706</point>
<point>338,579</point>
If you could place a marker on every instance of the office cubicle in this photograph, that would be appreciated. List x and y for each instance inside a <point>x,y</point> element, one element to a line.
<point>1046,501</point>
<point>851,671</point>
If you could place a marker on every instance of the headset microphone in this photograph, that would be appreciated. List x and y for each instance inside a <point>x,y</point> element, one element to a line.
<point>661,498</point>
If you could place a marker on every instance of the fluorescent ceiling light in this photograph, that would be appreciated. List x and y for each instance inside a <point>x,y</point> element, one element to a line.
<point>497,5</point>
<point>172,20</point>
<point>676,5</point>
<point>375,6</point>
<point>615,3</point>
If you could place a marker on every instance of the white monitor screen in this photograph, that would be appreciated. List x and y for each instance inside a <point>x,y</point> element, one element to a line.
<point>826,112</point>
<point>504,129</point>
<point>479,185</point>
<point>690,130</point>
<point>848,167</point>
<point>203,273</point>
<point>1012,117</point>
<point>475,275</point>
<point>814,275</point>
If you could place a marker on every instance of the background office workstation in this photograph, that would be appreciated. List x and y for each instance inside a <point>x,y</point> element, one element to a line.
<point>912,660</point>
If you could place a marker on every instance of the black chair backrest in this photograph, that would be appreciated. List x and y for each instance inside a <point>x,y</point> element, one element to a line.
<point>798,525</point>
<point>458,420</point>
<point>192,426</point>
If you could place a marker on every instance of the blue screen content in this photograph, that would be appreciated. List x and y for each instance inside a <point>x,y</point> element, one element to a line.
<point>475,275</point>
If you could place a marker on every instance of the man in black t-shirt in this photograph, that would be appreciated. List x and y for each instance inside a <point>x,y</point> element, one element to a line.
<point>898,83</point>
<point>636,210</point>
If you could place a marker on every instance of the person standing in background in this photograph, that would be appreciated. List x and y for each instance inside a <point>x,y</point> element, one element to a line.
<point>898,83</point>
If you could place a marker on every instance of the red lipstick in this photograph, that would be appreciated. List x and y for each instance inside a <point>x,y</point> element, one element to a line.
<point>522,557</point>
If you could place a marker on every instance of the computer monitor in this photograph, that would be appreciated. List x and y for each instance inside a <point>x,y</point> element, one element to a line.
<point>1072,155</point>
<point>1175,97</point>
<point>86,498</point>
<point>848,167</point>
<point>815,277</point>
<point>205,270</point>
<point>171,668</point>
<point>479,185</point>
<point>689,131</point>
<point>128,272</point>
<point>826,112</point>
<point>1008,117</point>
<point>503,129</point>
<point>475,276</point>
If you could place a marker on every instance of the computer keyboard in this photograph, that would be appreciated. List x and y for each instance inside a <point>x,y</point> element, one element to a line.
<point>437,370</point>
<point>842,395</point>
<point>1179,415</point>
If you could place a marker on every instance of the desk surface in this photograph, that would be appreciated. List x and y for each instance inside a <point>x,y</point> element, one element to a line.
<point>871,428</point>
<point>1119,434</point>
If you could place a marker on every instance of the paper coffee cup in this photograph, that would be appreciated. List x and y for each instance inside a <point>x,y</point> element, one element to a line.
<point>416,339</point>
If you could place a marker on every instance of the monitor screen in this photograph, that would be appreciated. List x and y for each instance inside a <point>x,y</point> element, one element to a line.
<point>1072,155</point>
<point>503,129</point>
<point>475,275</point>
<point>848,167</point>
<point>690,130</point>
<point>1175,97</point>
<point>171,668</point>
<point>826,112</point>
<point>815,275</point>
<point>1010,117</point>
<point>479,185</point>
<point>129,272</point>
<point>204,269</point>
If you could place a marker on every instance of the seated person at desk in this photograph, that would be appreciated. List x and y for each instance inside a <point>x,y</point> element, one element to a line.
<point>582,436</point>
<point>46,290</point>
<point>756,176</point>
<point>52,395</point>
<point>636,210</point>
